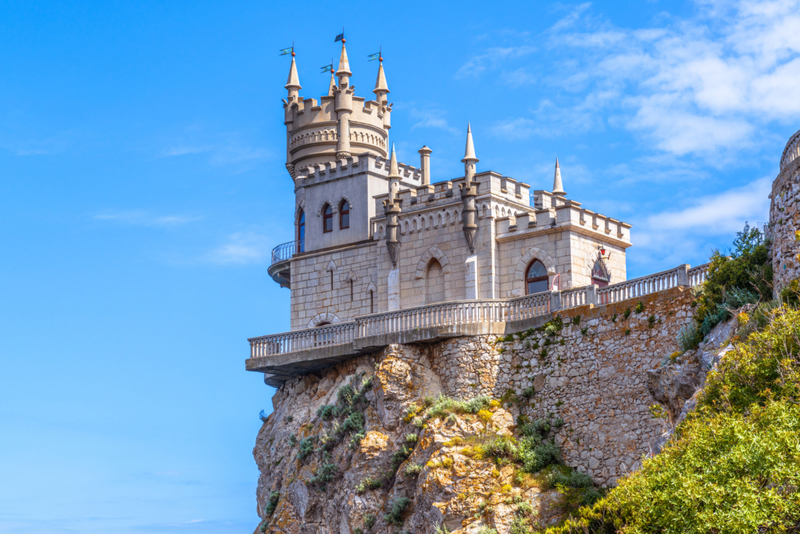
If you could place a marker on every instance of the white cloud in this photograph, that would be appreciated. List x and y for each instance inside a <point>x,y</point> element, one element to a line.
<point>143,218</point>
<point>431,117</point>
<point>241,249</point>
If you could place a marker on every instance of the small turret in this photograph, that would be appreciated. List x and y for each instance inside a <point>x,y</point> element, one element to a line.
<point>391,208</point>
<point>394,176</point>
<point>293,83</point>
<point>381,89</point>
<point>343,105</point>
<point>469,156</point>
<point>558,187</point>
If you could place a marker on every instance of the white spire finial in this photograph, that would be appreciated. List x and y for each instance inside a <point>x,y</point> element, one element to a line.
<point>469,152</point>
<point>332,83</point>
<point>394,172</point>
<point>380,83</point>
<point>558,187</point>
<point>344,63</point>
<point>294,80</point>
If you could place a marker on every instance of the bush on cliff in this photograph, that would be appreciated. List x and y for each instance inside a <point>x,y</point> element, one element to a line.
<point>743,277</point>
<point>734,464</point>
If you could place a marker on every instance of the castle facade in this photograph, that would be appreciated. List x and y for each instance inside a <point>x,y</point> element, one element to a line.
<point>373,234</point>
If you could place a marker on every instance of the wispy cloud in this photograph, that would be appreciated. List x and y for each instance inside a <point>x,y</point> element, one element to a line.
<point>491,57</point>
<point>144,218</point>
<point>431,117</point>
<point>227,148</point>
<point>240,249</point>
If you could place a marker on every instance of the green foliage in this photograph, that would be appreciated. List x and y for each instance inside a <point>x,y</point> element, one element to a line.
<point>441,529</point>
<point>369,520</point>
<point>486,530</point>
<point>536,456</point>
<point>520,525</point>
<point>272,503</point>
<point>734,463</point>
<point>355,441</point>
<point>326,412</point>
<point>368,484</point>
<point>627,313</point>
<point>345,395</point>
<point>528,392</point>
<point>413,469</point>
<point>790,295</point>
<point>732,281</point>
<point>651,321</point>
<point>306,447</point>
<point>627,331</point>
<point>292,440</point>
<point>398,457</point>
<point>689,337</point>
<point>396,508</point>
<point>325,472</point>
<point>353,423</point>
<point>289,418</point>
<point>639,307</point>
<point>411,438</point>
<point>576,320</point>
<point>584,330</point>
<point>442,406</point>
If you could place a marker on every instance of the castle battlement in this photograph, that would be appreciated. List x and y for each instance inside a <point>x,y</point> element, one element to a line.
<point>342,168</point>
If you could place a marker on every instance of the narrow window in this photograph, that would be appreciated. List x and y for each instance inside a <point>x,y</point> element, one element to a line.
<point>327,219</point>
<point>351,290</point>
<point>536,278</point>
<point>371,303</point>
<point>344,214</point>
<point>301,232</point>
<point>331,280</point>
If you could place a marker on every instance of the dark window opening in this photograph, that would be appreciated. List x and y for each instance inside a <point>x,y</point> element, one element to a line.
<point>344,214</point>
<point>351,291</point>
<point>327,219</point>
<point>331,280</point>
<point>301,232</point>
<point>536,278</point>
<point>371,303</point>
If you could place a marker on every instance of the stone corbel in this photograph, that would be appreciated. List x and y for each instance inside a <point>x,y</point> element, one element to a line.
<point>391,209</point>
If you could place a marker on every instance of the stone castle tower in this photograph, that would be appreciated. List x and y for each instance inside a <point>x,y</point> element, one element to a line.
<point>374,235</point>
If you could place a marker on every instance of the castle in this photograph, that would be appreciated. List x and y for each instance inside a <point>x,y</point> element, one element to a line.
<point>375,235</point>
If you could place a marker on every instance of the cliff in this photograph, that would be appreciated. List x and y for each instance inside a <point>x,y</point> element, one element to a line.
<point>469,433</point>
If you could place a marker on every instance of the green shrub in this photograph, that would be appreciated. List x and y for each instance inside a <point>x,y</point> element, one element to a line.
<point>486,530</point>
<point>398,457</point>
<point>528,392</point>
<point>269,509</point>
<point>355,441</point>
<point>576,320</point>
<point>536,456</point>
<point>306,447</point>
<point>345,395</point>
<point>325,472</point>
<point>369,520</point>
<point>411,438</point>
<point>627,313</point>
<point>326,412</point>
<point>639,307</point>
<point>413,469</point>
<point>396,508</point>
<point>689,337</point>
<point>353,423</point>
<point>369,483</point>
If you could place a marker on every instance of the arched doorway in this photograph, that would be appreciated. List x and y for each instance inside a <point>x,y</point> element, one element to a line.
<point>434,282</point>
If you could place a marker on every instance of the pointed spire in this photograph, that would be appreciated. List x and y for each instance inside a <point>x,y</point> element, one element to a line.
<point>394,172</point>
<point>294,80</point>
<point>469,153</point>
<point>344,63</point>
<point>380,83</point>
<point>558,187</point>
<point>332,83</point>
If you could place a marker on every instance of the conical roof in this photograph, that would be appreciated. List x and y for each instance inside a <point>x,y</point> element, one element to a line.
<point>380,83</point>
<point>558,187</point>
<point>394,172</point>
<point>344,63</point>
<point>294,80</point>
<point>332,83</point>
<point>469,152</point>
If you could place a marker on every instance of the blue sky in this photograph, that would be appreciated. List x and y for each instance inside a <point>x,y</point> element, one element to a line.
<point>143,186</point>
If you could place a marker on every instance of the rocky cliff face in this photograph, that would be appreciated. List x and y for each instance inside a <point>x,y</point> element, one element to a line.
<point>399,471</point>
<point>369,446</point>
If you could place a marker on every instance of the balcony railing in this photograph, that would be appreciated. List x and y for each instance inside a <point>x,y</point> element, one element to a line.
<point>286,251</point>
<point>467,312</point>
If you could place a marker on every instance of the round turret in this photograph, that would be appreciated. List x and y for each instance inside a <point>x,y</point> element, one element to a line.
<point>337,126</point>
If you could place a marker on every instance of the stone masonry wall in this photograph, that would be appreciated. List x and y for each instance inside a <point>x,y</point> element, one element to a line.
<point>784,221</point>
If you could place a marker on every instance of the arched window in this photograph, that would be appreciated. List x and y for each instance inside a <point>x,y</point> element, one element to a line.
<point>327,218</point>
<point>600,276</point>
<point>344,214</point>
<point>301,232</point>
<point>371,302</point>
<point>535,278</point>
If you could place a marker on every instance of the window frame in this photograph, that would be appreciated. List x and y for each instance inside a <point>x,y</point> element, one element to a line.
<point>327,215</point>
<point>528,280</point>
<point>343,212</point>
<point>301,231</point>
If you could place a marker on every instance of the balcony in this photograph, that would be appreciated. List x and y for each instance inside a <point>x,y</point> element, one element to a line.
<point>280,267</point>
<point>284,356</point>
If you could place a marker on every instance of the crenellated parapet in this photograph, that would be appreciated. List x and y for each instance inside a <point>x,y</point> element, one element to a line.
<point>336,126</point>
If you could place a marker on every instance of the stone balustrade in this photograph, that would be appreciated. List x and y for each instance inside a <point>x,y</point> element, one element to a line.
<point>472,312</point>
